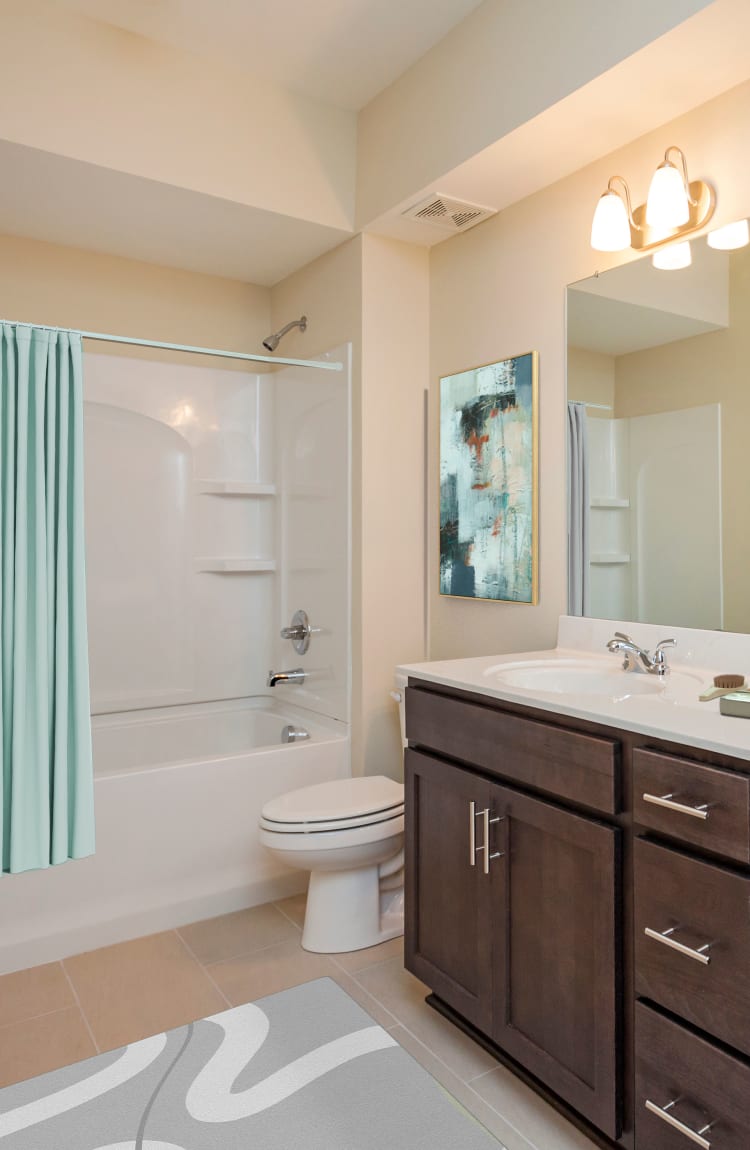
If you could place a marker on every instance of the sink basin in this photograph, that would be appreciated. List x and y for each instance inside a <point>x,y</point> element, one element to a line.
<point>591,677</point>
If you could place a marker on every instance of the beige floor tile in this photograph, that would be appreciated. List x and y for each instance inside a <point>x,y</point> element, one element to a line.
<point>294,908</point>
<point>239,933</point>
<point>35,1046</point>
<point>374,1008</point>
<point>269,971</point>
<point>463,1094</point>
<point>403,995</point>
<point>138,988</point>
<point>354,960</point>
<point>31,992</point>
<point>525,1111</point>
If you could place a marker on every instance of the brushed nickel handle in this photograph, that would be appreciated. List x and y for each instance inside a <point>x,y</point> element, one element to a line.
<point>665,937</point>
<point>700,811</point>
<point>472,833</point>
<point>488,822</point>
<point>663,1112</point>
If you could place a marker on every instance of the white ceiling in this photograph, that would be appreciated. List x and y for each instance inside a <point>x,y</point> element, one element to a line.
<point>103,210</point>
<point>342,52</point>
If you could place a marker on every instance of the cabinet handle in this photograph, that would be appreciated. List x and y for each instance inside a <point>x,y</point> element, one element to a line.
<point>663,1112</point>
<point>473,833</point>
<point>665,937</point>
<point>700,811</point>
<point>488,822</point>
<point>484,849</point>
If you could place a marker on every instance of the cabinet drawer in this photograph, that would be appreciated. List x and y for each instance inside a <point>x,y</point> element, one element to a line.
<point>700,969</point>
<point>571,765</point>
<point>688,1092</point>
<point>700,805</point>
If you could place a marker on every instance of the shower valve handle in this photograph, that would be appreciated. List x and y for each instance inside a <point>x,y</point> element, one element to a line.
<point>300,632</point>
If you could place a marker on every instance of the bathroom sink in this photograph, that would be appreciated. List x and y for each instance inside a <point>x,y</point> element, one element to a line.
<point>591,677</point>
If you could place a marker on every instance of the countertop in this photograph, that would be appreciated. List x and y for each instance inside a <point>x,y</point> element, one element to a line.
<point>673,713</point>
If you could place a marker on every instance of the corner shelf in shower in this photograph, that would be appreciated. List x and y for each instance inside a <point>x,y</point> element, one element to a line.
<point>231,487</point>
<point>610,504</point>
<point>234,565</point>
<point>605,558</point>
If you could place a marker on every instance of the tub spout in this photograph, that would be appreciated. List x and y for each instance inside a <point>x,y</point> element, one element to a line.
<point>298,675</point>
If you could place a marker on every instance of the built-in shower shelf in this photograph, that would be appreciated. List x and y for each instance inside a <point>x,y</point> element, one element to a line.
<point>232,565</point>
<point>231,487</point>
<point>606,558</point>
<point>610,504</point>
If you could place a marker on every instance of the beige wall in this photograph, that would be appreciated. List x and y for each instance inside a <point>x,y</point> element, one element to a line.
<point>374,293</point>
<point>500,290</point>
<point>591,379</point>
<point>65,287</point>
<point>710,368</point>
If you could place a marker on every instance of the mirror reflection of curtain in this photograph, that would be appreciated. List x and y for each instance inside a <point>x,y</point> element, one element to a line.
<point>578,511</point>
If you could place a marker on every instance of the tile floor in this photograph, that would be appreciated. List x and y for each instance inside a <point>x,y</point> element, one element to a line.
<point>59,1013</point>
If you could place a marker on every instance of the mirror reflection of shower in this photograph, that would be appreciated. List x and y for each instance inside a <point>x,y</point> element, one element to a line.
<point>271,342</point>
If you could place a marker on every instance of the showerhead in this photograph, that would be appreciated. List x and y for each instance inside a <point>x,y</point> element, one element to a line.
<point>272,341</point>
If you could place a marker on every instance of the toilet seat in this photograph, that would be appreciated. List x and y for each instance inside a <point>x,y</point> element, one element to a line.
<point>346,804</point>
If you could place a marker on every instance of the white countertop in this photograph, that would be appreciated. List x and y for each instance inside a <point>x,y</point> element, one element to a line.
<point>672,713</point>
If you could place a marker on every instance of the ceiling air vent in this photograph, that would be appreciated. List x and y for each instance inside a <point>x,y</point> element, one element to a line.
<point>447,214</point>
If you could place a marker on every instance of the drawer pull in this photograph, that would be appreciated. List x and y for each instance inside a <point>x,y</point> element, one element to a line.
<point>665,936</point>
<point>473,834</point>
<point>700,811</point>
<point>484,849</point>
<point>663,1112</point>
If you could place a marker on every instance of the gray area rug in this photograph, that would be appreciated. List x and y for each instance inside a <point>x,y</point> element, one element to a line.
<point>306,1069</point>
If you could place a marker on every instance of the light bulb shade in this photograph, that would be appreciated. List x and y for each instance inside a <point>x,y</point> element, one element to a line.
<point>731,236</point>
<point>673,257</point>
<point>667,205</point>
<point>610,228</point>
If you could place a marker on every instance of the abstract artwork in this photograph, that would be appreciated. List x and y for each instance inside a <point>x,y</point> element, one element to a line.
<point>488,481</point>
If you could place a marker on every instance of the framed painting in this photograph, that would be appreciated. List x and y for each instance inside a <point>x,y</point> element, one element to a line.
<point>488,481</point>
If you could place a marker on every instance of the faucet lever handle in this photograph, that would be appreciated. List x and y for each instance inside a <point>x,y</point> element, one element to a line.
<point>622,635</point>
<point>663,644</point>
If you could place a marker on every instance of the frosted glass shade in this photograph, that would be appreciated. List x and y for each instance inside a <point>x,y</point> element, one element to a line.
<point>731,236</point>
<point>610,229</point>
<point>672,258</point>
<point>667,205</point>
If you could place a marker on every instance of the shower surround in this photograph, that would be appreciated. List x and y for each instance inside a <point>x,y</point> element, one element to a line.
<point>217,502</point>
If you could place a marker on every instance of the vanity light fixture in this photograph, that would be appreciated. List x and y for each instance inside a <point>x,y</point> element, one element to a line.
<point>731,236</point>
<point>673,257</point>
<point>676,207</point>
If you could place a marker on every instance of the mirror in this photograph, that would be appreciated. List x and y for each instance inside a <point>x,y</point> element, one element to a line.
<point>658,377</point>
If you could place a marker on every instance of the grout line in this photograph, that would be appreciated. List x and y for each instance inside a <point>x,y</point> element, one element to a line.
<point>34,1017</point>
<point>86,1022</point>
<point>288,917</point>
<point>205,969</point>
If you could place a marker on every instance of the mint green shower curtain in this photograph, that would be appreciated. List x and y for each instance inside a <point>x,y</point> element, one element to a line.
<point>47,797</point>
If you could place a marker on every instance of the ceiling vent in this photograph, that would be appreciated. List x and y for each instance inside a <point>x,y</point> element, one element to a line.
<point>447,214</point>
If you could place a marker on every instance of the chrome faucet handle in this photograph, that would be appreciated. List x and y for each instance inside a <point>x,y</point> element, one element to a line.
<point>622,635</point>
<point>300,632</point>
<point>664,644</point>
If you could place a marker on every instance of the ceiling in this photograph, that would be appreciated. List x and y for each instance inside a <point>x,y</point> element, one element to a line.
<point>341,52</point>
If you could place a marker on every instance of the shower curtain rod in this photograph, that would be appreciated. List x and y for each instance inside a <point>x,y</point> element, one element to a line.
<point>323,365</point>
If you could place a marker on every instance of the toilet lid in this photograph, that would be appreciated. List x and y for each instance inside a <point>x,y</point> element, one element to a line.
<point>339,800</point>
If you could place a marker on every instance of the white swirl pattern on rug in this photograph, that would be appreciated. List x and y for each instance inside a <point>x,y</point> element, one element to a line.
<point>210,1098</point>
<point>134,1060</point>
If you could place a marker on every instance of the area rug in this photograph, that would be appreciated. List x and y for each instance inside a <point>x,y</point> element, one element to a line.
<point>306,1069</point>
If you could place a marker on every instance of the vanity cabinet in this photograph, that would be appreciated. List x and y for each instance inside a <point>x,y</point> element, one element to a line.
<point>578,900</point>
<point>512,923</point>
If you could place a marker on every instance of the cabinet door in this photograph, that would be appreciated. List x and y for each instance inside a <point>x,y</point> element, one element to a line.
<point>555,951</point>
<point>447,928</point>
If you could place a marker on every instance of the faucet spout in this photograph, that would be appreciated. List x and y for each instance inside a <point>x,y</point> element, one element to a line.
<point>298,675</point>
<point>655,664</point>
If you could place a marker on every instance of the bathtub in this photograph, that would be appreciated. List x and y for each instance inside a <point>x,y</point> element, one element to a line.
<point>178,794</point>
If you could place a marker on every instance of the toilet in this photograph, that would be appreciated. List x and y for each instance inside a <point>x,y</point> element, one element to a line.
<point>350,835</point>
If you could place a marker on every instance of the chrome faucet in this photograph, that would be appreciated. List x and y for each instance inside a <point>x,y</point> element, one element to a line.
<point>636,658</point>
<point>298,675</point>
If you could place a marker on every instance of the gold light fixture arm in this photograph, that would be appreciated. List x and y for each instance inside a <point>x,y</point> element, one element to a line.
<point>628,201</point>
<point>685,178</point>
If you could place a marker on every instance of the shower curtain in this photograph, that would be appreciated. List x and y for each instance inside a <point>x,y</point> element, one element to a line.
<point>578,511</point>
<point>47,796</point>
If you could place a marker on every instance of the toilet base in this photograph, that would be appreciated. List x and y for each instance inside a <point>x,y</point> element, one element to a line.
<point>346,910</point>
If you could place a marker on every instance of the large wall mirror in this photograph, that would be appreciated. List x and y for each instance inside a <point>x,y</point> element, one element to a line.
<point>659,442</point>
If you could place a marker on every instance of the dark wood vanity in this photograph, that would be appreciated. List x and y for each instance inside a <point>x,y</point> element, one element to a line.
<point>578,900</point>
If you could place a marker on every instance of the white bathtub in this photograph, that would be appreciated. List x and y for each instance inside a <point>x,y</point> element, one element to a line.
<point>178,794</point>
